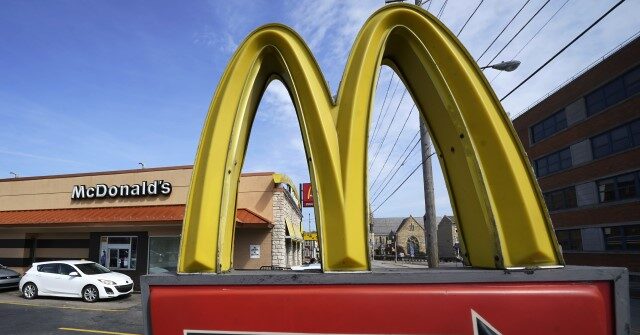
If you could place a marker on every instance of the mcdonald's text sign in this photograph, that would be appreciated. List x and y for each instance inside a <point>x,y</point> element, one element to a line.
<point>307,194</point>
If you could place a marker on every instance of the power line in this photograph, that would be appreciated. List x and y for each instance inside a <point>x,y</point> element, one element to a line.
<point>378,84</point>
<point>442,8</point>
<point>518,33</point>
<point>398,162</point>
<point>469,19</point>
<point>503,29</point>
<point>531,39</point>
<point>394,174</point>
<point>381,107</point>
<point>579,73</point>
<point>564,48</point>
<point>384,186</point>
<point>394,145</point>
<point>384,137</point>
<point>386,111</point>
<point>402,183</point>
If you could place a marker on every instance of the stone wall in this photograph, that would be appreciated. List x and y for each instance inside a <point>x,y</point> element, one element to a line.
<point>278,233</point>
<point>285,254</point>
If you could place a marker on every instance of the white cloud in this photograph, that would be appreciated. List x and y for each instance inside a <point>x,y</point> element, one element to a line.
<point>210,37</point>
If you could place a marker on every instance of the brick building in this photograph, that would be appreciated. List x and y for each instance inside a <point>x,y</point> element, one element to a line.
<point>583,142</point>
<point>131,220</point>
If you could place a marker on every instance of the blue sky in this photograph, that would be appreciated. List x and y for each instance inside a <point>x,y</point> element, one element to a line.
<point>96,85</point>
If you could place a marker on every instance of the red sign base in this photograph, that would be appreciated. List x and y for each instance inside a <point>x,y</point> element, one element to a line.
<point>415,308</point>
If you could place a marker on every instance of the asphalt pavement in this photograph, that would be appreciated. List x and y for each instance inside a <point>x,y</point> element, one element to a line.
<point>64,316</point>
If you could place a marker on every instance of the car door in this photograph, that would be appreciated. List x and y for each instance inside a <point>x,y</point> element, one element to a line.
<point>47,277</point>
<point>71,285</point>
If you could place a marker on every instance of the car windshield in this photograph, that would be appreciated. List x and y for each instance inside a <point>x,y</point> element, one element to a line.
<point>92,268</point>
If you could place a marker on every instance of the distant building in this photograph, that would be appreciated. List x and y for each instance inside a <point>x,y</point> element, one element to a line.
<point>448,244</point>
<point>410,234</point>
<point>584,145</point>
<point>310,247</point>
<point>409,231</point>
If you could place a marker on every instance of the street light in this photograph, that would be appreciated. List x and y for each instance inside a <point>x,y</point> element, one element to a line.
<point>504,66</point>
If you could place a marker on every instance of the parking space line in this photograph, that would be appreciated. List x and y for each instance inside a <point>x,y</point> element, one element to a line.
<point>63,307</point>
<point>95,331</point>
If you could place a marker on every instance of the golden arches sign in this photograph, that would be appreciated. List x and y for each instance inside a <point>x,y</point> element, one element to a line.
<point>501,215</point>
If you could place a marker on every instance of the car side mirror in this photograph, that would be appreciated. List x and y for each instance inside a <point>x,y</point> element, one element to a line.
<point>74,274</point>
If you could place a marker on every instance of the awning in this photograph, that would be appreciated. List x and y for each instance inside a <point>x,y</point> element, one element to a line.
<point>280,178</point>
<point>164,214</point>
<point>294,230</point>
<point>247,217</point>
<point>160,214</point>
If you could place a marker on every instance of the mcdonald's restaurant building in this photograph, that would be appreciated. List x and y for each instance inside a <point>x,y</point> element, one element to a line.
<point>131,220</point>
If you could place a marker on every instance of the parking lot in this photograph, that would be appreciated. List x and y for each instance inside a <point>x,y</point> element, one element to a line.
<point>120,316</point>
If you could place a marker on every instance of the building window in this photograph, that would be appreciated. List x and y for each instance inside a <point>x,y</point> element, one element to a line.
<point>554,162</point>
<point>624,238</point>
<point>626,186</point>
<point>632,237</point>
<point>561,199</point>
<point>613,92</point>
<point>616,140</point>
<point>119,252</point>
<point>632,81</point>
<point>634,129</point>
<point>549,126</point>
<point>163,254</point>
<point>570,239</point>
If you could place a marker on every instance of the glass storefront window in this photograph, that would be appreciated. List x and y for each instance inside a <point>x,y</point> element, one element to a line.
<point>119,252</point>
<point>163,254</point>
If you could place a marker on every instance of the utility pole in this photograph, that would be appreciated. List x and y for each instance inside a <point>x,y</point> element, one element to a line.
<point>430,225</point>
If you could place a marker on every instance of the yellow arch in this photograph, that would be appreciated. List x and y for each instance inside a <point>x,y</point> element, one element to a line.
<point>501,215</point>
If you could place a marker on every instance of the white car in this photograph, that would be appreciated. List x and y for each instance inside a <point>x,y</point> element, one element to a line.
<point>75,279</point>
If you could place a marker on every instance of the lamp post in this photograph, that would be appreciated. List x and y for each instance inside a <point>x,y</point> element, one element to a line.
<point>504,66</point>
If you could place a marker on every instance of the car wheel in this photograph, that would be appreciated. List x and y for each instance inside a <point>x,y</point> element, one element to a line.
<point>29,291</point>
<point>90,293</point>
